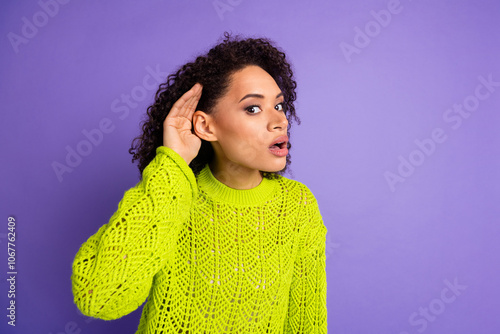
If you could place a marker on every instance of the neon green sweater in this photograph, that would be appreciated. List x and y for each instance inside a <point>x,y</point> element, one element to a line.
<point>207,257</point>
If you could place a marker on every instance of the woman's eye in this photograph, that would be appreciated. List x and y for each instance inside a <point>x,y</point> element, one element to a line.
<point>253,109</point>
<point>279,107</point>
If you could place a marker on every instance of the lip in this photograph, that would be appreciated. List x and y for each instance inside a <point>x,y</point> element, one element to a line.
<point>282,150</point>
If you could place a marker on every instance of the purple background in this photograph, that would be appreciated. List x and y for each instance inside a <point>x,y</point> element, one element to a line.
<point>390,250</point>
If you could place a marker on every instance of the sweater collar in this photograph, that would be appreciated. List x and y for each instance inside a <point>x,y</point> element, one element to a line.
<point>219,191</point>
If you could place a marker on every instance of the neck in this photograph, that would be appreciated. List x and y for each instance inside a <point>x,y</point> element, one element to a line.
<point>235,176</point>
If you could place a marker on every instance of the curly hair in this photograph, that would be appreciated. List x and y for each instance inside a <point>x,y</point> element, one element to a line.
<point>213,71</point>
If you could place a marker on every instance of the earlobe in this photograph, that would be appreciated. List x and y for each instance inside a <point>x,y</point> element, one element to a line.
<point>203,126</point>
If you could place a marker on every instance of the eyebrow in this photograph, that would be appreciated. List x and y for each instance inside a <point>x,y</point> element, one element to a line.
<point>258,96</point>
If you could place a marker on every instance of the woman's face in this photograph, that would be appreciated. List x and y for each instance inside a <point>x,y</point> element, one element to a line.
<point>248,121</point>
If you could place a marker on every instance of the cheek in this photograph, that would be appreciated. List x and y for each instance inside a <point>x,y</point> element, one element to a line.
<point>237,128</point>
<point>243,139</point>
<point>252,135</point>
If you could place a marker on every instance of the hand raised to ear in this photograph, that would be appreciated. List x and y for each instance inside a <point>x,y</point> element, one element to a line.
<point>177,127</point>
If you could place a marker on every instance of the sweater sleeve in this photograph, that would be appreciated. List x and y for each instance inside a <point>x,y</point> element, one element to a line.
<point>114,269</point>
<point>307,312</point>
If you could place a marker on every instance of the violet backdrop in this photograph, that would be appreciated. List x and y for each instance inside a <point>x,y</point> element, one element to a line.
<point>399,142</point>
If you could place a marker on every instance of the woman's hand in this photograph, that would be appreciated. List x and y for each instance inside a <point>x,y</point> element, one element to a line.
<point>177,133</point>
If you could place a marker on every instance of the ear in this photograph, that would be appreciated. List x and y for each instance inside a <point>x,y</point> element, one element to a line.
<point>203,126</point>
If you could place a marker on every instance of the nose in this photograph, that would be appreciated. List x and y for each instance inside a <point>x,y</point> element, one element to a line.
<point>278,120</point>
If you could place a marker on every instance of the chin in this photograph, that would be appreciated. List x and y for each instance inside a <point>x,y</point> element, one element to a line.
<point>274,169</point>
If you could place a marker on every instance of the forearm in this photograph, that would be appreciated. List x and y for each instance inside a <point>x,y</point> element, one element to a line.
<point>307,311</point>
<point>113,270</point>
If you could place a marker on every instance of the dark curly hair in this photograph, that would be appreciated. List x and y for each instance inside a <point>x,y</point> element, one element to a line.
<point>213,71</point>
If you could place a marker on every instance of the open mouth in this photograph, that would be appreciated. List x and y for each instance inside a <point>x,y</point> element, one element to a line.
<point>278,146</point>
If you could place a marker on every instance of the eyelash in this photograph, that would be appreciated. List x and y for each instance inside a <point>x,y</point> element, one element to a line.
<point>255,105</point>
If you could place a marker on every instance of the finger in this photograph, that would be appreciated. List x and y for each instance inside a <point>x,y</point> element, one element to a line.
<point>191,105</point>
<point>177,108</point>
<point>188,109</point>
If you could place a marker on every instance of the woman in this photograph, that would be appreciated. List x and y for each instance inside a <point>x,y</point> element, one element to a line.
<point>213,235</point>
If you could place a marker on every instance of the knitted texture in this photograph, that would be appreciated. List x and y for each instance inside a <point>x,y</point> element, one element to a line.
<point>208,258</point>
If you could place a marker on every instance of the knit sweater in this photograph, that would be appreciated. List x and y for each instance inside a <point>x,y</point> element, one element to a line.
<point>208,258</point>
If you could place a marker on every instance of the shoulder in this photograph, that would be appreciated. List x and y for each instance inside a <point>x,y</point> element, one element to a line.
<point>310,220</point>
<point>297,190</point>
